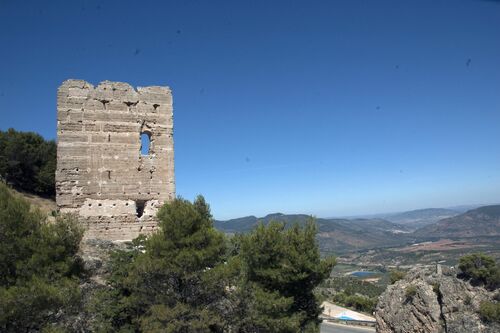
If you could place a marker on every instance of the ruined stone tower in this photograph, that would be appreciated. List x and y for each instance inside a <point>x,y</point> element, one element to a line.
<point>102,176</point>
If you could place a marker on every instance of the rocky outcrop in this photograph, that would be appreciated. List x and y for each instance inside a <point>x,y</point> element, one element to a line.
<point>432,301</point>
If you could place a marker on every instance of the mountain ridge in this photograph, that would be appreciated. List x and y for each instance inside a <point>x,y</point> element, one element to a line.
<point>334,235</point>
<point>341,235</point>
<point>479,222</point>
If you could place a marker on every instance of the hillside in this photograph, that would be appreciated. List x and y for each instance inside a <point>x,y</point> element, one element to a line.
<point>421,217</point>
<point>28,162</point>
<point>247,223</point>
<point>334,235</point>
<point>346,235</point>
<point>46,205</point>
<point>479,222</point>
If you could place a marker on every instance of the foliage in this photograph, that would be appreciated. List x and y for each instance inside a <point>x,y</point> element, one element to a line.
<point>396,275</point>
<point>410,291</point>
<point>351,286</point>
<point>28,161</point>
<point>39,266</point>
<point>280,267</point>
<point>436,288</point>
<point>167,282</point>
<point>352,293</point>
<point>480,269</point>
<point>357,302</point>
<point>188,278</point>
<point>489,311</point>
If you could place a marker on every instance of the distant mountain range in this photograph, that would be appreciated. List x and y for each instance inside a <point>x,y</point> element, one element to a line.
<point>479,222</point>
<point>421,217</point>
<point>334,234</point>
<point>344,235</point>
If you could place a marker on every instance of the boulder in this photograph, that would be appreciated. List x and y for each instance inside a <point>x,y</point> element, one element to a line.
<point>432,300</point>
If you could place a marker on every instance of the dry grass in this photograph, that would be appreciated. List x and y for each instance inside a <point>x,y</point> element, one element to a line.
<point>440,245</point>
<point>45,205</point>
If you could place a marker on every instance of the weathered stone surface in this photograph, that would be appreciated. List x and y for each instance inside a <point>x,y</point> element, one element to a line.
<point>101,174</point>
<point>441,303</point>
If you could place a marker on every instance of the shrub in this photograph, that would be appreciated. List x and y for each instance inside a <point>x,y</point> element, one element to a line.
<point>282,267</point>
<point>490,312</point>
<point>480,269</point>
<point>396,275</point>
<point>38,263</point>
<point>168,282</point>
<point>493,281</point>
<point>435,288</point>
<point>187,278</point>
<point>410,291</point>
<point>352,286</point>
<point>28,162</point>
<point>357,302</point>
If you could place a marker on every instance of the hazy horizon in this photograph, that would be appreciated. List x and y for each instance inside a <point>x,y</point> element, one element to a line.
<point>458,208</point>
<point>324,108</point>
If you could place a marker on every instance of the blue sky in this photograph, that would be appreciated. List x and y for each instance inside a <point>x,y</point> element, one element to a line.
<point>328,108</point>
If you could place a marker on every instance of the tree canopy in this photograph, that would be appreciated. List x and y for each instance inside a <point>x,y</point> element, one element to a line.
<point>28,162</point>
<point>164,284</point>
<point>282,266</point>
<point>480,269</point>
<point>39,266</point>
<point>187,277</point>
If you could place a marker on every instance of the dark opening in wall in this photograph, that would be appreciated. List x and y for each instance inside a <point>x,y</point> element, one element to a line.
<point>139,207</point>
<point>145,143</point>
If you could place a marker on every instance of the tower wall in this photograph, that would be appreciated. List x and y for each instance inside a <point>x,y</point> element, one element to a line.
<point>102,176</point>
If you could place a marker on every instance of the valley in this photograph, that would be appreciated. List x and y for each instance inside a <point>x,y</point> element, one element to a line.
<point>419,237</point>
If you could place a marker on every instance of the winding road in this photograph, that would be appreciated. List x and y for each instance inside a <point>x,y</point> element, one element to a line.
<point>338,328</point>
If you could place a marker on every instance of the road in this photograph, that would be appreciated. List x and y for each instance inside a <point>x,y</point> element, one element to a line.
<point>337,328</point>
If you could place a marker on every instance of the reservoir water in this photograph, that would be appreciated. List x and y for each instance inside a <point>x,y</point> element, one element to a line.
<point>363,274</point>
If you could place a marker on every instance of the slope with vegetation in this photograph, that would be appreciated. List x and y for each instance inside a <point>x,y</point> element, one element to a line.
<point>421,217</point>
<point>334,235</point>
<point>39,266</point>
<point>351,292</point>
<point>188,278</point>
<point>480,222</point>
<point>28,162</point>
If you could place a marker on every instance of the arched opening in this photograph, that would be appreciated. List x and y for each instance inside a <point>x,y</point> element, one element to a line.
<point>145,143</point>
<point>139,207</point>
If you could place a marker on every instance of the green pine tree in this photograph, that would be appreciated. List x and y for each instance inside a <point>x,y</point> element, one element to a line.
<point>167,284</point>
<point>39,266</point>
<point>28,162</point>
<point>279,270</point>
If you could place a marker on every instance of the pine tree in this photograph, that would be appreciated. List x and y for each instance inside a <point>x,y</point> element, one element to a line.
<point>28,162</point>
<point>169,285</point>
<point>39,266</point>
<point>280,268</point>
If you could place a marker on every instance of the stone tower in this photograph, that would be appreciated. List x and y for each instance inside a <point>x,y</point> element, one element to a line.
<point>102,176</point>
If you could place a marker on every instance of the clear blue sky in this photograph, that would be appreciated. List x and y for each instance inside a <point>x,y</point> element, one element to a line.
<point>322,107</point>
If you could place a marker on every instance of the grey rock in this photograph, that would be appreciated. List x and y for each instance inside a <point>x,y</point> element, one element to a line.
<point>430,301</point>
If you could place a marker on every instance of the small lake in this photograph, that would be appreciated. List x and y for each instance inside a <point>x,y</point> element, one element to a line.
<point>363,274</point>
